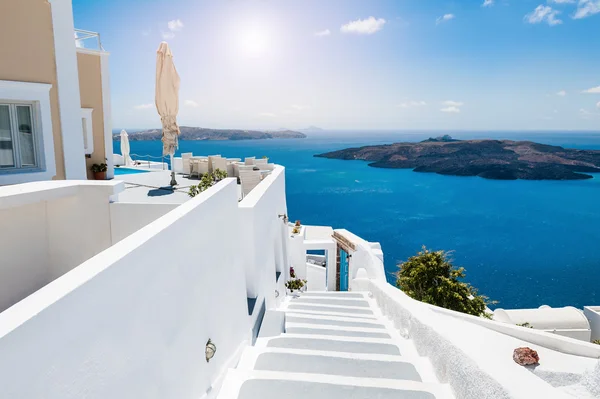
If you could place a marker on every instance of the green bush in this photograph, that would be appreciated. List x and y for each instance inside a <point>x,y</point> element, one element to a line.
<point>207,180</point>
<point>430,277</point>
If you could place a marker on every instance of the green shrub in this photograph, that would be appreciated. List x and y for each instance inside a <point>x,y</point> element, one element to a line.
<point>430,277</point>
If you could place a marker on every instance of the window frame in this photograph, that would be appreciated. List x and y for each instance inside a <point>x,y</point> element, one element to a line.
<point>37,96</point>
<point>86,116</point>
<point>16,139</point>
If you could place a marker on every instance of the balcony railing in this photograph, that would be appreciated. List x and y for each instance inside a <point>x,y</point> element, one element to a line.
<point>88,40</point>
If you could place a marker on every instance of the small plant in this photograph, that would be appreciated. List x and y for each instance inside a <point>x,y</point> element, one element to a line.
<point>296,230</point>
<point>526,325</point>
<point>265,157</point>
<point>219,174</point>
<point>297,224</point>
<point>596,341</point>
<point>99,167</point>
<point>294,283</point>
<point>207,181</point>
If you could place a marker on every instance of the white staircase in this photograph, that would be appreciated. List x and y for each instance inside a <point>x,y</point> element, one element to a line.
<point>335,344</point>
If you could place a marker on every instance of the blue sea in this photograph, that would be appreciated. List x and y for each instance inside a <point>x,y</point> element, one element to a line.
<point>523,243</point>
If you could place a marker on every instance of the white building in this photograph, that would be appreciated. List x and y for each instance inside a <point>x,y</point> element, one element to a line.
<point>103,298</point>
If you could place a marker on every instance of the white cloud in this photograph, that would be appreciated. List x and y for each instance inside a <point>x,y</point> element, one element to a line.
<point>593,90</point>
<point>299,107</point>
<point>451,110</point>
<point>562,1</point>
<point>450,103</point>
<point>175,25</point>
<point>487,3</point>
<point>543,13</point>
<point>561,93</point>
<point>587,8</point>
<point>322,33</point>
<point>144,106</point>
<point>412,103</point>
<point>364,26</point>
<point>444,18</point>
<point>267,115</point>
<point>191,103</point>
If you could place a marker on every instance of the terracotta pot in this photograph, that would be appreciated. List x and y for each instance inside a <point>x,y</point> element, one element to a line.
<point>99,175</point>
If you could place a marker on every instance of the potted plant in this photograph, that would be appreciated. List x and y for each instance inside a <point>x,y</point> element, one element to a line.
<point>99,171</point>
<point>295,286</point>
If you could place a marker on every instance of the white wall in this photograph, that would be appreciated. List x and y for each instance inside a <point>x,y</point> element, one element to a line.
<point>133,321</point>
<point>262,232</point>
<point>315,276</point>
<point>297,252</point>
<point>48,228</point>
<point>127,218</point>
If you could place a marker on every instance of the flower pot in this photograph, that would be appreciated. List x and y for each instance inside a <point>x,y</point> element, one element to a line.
<point>99,175</point>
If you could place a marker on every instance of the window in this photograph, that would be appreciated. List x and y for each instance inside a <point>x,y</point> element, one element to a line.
<point>17,137</point>
<point>88,134</point>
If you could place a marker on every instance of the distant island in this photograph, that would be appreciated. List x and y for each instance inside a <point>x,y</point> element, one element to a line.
<point>312,129</point>
<point>199,133</point>
<point>490,159</point>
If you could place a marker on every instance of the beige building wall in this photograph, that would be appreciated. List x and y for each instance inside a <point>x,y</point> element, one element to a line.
<point>90,88</point>
<point>27,48</point>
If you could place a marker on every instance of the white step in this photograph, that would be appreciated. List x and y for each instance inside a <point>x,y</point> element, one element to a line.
<point>255,384</point>
<point>256,358</point>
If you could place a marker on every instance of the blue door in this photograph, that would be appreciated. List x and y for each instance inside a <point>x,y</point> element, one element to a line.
<point>343,270</point>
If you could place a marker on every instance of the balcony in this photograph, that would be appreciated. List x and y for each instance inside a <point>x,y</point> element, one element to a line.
<point>88,40</point>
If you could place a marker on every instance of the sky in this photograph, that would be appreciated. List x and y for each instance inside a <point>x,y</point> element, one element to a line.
<point>356,64</point>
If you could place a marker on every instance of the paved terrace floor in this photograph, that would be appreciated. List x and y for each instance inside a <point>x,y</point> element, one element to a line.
<point>153,187</point>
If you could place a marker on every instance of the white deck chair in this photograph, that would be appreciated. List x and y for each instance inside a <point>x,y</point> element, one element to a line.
<point>219,163</point>
<point>249,179</point>
<point>185,159</point>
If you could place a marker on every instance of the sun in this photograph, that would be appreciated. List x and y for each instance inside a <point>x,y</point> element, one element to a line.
<point>253,42</point>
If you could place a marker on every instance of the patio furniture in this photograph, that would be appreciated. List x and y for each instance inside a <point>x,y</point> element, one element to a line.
<point>249,180</point>
<point>218,163</point>
<point>185,159</point>
<point>199,166</point>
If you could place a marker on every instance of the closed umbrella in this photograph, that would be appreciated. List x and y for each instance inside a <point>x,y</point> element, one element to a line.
<point>125,147</point>
<point>167,101</point>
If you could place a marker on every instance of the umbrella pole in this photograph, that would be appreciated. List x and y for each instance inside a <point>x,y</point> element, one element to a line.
<point>173,181</point>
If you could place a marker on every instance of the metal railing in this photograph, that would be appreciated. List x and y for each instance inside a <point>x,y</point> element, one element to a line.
<point>88,40</point>
<point>141,159</point>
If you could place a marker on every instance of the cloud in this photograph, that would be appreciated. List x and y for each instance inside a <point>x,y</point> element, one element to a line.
<point>363,26</point>
<point>562,1</point>
<point>451,110</point>
<point>191,103</point>
<point>452,107</point>
<point>267,115</point>
<point>298,107</point>
<point>543,14</point>
<point>410,104</point>
<point>561,93</point>
<point>450,103</point>
<point>593,90</point>
<point>444,18</point>
<point>322,33</point>
<point>487,3</point>
<point>144,106</point>
<point>587,8</point>
<point>175,25</point>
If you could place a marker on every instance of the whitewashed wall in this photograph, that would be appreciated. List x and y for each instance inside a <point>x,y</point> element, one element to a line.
<point>133,321</point>
<point>127,218</point>
<point>48,228</point>
<point>263,245</point>
<point>315,277</point>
